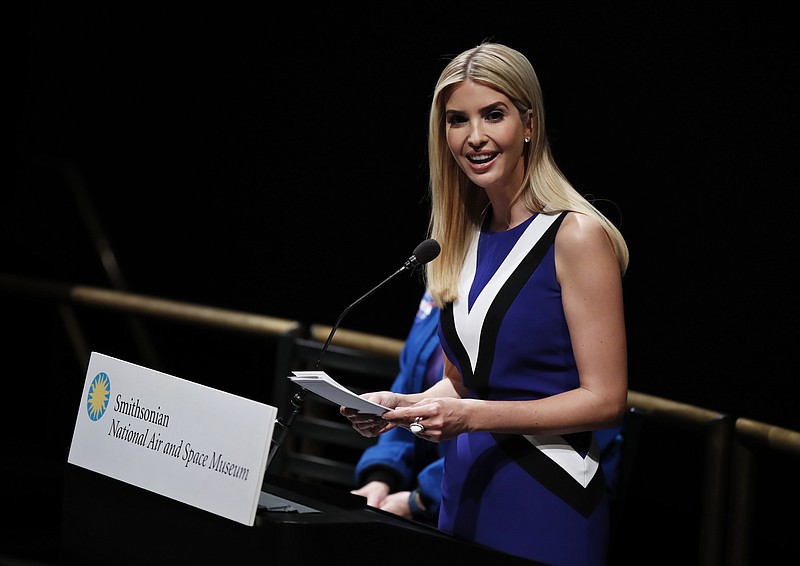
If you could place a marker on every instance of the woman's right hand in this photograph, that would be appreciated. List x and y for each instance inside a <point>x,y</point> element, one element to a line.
<point>372,425</point>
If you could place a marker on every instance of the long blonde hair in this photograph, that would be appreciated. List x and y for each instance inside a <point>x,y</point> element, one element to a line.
<point>457,205</point>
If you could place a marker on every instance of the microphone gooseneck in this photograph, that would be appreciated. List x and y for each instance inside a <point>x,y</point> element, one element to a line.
<point>425,252</point>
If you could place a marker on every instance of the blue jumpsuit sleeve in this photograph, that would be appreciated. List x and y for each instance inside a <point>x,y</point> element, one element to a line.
<point>429,481</point>
<point>398,452</point>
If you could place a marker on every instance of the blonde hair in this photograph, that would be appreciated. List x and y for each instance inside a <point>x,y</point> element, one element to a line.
<point>457,205</point>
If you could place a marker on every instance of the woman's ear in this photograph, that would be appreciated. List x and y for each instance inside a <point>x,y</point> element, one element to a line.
<point>528,123</point>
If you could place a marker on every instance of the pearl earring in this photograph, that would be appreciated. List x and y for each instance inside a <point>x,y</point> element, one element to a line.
<point>527,140</point>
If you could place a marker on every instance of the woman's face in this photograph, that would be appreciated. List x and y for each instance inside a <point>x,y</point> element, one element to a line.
<point>486,136</point>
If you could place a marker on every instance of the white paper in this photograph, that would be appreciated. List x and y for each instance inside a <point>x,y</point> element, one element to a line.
<point>328,388</point>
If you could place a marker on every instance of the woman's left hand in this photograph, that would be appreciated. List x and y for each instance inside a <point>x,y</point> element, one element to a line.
<point>436,419</point>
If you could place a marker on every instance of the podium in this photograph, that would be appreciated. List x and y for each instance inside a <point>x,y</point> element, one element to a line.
<point>107,522</point>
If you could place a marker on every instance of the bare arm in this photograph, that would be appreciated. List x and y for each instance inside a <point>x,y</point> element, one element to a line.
<point>592,298</point>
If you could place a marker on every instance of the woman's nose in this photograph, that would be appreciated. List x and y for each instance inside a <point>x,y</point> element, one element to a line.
<point>476,135</point>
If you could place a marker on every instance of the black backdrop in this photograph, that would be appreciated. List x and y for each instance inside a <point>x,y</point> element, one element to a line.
<point>273,161</point>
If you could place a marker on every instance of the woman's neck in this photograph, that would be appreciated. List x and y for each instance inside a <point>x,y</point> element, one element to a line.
<point>504,218</point>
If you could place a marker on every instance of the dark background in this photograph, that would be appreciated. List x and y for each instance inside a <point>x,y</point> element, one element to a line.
<point>273,161</point>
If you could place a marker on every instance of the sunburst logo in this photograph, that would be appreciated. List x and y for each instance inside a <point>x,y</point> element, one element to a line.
<point>99,394</point>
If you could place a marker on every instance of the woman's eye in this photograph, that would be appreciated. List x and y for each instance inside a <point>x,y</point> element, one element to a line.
<point>494,116</point>
<point>455,119</point>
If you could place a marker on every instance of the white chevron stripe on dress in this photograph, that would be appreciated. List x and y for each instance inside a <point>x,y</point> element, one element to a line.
<point>554,447</point>
<point>468,322</point>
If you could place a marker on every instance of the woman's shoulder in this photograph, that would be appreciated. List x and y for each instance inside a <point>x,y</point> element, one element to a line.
<point>581,235</point>
<point>580,228</point>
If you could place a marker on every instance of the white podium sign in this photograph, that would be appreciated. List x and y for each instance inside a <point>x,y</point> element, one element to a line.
<point>192,443</point>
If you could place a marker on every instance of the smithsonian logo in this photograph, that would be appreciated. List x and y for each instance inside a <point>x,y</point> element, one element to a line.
<point>99,394</point>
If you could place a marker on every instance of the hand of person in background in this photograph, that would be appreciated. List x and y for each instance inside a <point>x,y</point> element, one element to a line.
<point>375,492</point>
<point>397,503</point>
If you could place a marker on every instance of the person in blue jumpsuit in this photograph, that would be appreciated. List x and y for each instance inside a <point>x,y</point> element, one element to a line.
<point>402,473</point>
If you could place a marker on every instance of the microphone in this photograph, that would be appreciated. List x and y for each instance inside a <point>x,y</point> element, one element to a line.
<point>425,252</point>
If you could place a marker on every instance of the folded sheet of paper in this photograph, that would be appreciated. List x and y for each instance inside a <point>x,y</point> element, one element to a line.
<point>328,388</point>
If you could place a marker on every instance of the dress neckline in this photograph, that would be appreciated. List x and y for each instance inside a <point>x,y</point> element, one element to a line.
<point>516,229</point>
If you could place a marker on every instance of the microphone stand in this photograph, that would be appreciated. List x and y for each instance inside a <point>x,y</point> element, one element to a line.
<point>347,310</point>
<point>426,251</point>
<point>282,425</point>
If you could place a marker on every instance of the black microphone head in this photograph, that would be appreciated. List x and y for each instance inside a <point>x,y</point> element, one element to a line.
<point>426,251</point>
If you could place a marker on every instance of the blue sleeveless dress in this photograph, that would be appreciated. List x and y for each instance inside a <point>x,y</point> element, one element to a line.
<point>539,497</point>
